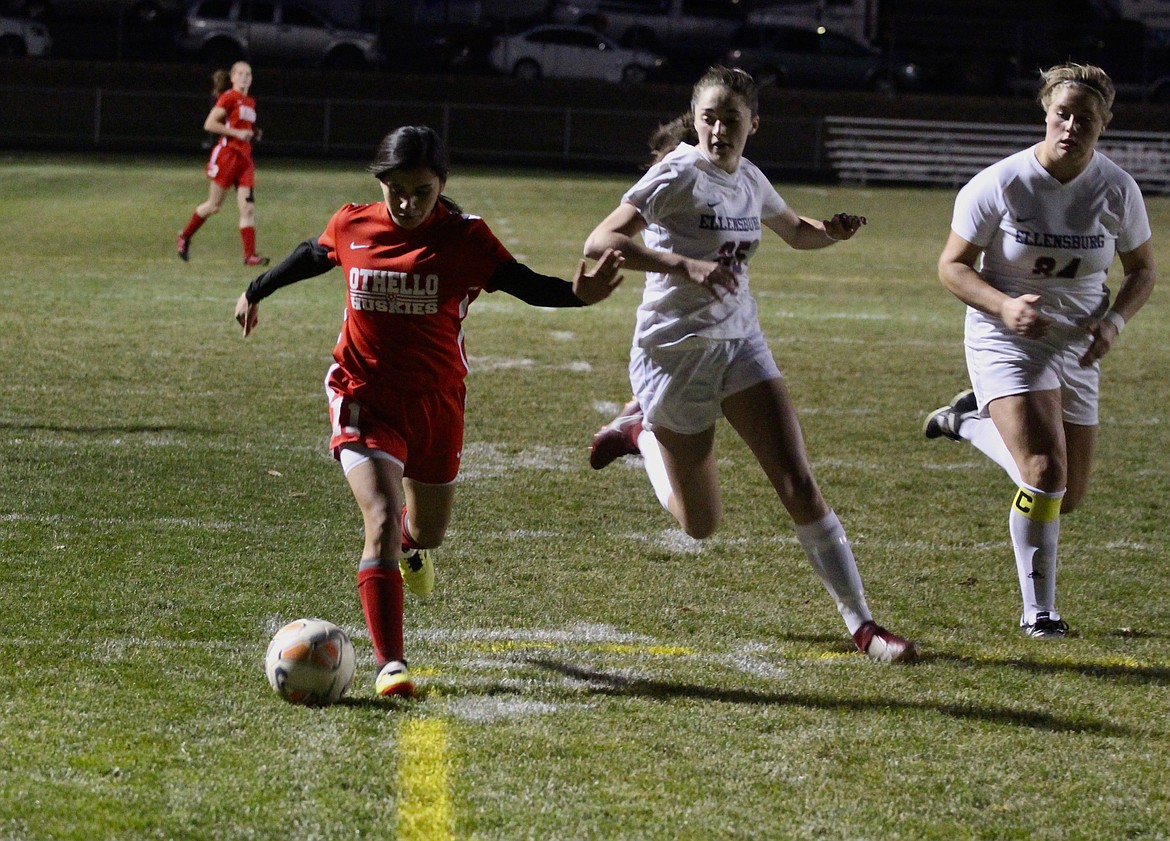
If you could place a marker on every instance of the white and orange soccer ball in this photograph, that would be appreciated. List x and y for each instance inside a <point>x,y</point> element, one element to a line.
<point>310,661</point>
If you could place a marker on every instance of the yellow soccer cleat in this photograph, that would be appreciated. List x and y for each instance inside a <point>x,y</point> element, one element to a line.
<point>393,680</point>
<point>418,572</point>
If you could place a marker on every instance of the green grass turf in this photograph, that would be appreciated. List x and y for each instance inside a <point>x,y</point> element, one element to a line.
<point>166,502</point>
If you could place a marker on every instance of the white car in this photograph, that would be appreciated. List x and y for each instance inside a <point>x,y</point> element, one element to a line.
<point>20,37</point>
<point>572,52</point>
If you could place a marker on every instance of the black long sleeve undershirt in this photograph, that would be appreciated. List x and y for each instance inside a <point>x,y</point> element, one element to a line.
<point>310,259</point>
<point>533,288</point>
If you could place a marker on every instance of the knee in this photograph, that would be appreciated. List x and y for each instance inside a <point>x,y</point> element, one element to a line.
<point>801,497</point>
<point>700,525</point>
<point>380,520</point>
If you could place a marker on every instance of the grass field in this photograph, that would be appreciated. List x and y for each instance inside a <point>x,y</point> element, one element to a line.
<point>166,502</point>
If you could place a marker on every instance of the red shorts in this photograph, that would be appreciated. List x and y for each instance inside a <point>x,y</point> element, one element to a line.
<point>230,168</point>
<point>424,432</point>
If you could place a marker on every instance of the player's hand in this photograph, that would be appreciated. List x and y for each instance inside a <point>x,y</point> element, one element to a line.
<point>843,226</point>
<point>1104,333</point>
<point>247,314</point>
<point>597,285</point>
<point>1023,318</point>
<point>716,278</point>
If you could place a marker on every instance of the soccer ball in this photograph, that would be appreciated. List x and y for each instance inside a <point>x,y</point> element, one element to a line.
<point>310,661</point>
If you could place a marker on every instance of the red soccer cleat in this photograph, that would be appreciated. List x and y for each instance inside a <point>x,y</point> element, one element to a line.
<point>879,644</point>
<point>255,260</point>
<point>183,246</point>
<point>617,438</point>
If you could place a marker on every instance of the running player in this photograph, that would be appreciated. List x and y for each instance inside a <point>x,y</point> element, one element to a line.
<point>233,118</point>
<point>665,139</point>
<point>1032,238</point>
<point>698,351</point>
<point>413,263</point>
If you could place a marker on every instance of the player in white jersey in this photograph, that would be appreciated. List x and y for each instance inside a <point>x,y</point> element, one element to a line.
<point>1031,242</point>
<point>699,353</point>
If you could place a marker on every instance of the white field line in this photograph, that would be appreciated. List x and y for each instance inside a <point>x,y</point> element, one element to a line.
<point>480,364</point>
<point>668,539</point>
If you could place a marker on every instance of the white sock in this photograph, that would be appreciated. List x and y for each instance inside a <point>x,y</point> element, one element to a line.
<point>983,435</point>
<point>1034,524</point>
<point>655,467</point>
<point>832,559</point>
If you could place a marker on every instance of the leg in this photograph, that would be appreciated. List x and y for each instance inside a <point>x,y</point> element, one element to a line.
<point>687,463</point>
<point>1033,431</point>
<point>428,512</point>
<point>1081,444</point>
<point>208,208</point>
<point>376,484</point>
<point>765,418</point>
<point>424,522</point>
<point>1031,427</point>
<point>246,202</point>
<point>215,197</point>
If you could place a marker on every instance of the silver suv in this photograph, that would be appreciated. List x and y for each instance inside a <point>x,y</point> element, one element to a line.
<point>223,31</point>
<point>669,26</point>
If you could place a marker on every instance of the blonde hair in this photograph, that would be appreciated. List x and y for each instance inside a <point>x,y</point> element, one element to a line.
<point>1087,76</point>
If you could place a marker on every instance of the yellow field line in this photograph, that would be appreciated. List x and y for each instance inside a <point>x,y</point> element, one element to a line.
<point>424,786</point>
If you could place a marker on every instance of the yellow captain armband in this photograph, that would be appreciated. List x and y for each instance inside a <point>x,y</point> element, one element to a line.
<point>1037,506</point>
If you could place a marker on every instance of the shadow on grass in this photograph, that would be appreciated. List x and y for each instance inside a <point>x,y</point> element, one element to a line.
<point>603,683</point>
<point>1121,671</point>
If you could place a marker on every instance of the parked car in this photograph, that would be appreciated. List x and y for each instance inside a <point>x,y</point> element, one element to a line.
<point>815,57</point>
<point>223,31</point>
<point>20,37</point>
<point>679,28</point>
<point>148,12</point>
<point>572,52</point>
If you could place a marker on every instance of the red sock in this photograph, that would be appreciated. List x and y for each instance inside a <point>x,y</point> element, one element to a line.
<point>193,224</point>
<point>248,235</point>
<point>380,590</point>
<point>409,544</point>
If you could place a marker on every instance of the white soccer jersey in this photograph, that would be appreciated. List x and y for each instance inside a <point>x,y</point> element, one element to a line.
<point>698,210</point>
<point>1050,239</point>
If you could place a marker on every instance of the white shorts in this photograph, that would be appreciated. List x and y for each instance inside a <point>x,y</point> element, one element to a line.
<point>681,387</point>
<point>1002,363</point>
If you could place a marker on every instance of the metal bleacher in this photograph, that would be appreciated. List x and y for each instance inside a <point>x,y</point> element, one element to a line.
<point>862,150</point>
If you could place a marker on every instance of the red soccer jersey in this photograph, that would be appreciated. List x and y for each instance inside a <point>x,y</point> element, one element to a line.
<point>241,113</point>
<point>407,293</point>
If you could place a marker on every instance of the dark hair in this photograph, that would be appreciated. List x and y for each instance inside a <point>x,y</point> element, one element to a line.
<point>410,147</point>
<point>664,139</point>
<point>739,82</point>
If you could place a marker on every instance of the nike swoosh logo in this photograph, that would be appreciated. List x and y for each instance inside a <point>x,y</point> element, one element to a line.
<point>714,203</point>
<point>353,246</point>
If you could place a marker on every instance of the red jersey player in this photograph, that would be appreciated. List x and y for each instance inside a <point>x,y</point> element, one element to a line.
<point>413,264</point>
<point>233,117</point>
